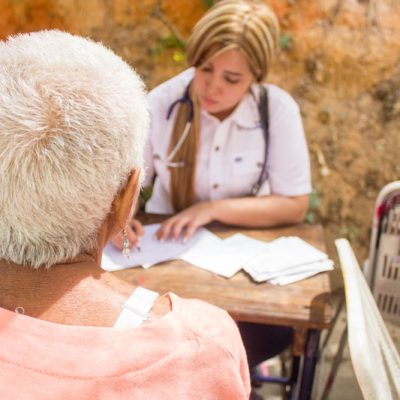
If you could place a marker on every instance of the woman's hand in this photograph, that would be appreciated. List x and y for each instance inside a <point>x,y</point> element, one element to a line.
<point>185,223</point>
<point>134,230</point>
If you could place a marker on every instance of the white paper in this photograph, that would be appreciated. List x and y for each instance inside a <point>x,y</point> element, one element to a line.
<point>221,258</point>
<point>294,274</point>
<point>283,254</point>
<point>317,266</point>
<point>225,257</point>
<point>281,261</point>
<point>247,242</point>
<point>152,251</point>
<point>287,279</point>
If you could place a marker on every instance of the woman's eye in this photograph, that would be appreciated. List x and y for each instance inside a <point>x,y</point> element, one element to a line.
<point>206,69</point>
<point>233,81</point>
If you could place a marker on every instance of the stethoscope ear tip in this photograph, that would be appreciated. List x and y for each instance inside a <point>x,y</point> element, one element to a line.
<point>178,164</point>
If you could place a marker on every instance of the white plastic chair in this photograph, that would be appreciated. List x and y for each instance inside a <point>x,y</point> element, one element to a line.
<point>382,269</point>
<point>375,359</point>
<point>370,294</point>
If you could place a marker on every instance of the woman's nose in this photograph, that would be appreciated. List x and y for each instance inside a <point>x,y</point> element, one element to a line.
<point>213,83</point>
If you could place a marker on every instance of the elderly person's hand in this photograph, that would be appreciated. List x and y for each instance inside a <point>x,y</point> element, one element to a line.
<point>134,230</point>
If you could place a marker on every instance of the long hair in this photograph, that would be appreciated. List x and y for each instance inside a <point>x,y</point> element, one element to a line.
<point>249,26</point>
<point>183,177</point>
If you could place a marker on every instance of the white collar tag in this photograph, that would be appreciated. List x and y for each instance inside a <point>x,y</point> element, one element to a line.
<point>136,309</point>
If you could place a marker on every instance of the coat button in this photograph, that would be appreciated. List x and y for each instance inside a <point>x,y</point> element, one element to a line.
<point>216,148</point>
<point>215,186</point>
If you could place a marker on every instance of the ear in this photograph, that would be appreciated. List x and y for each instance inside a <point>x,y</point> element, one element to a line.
<point>120,212</point>
<point>126,199</point>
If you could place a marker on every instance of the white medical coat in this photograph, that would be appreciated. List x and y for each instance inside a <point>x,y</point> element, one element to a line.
<point>230,152</point>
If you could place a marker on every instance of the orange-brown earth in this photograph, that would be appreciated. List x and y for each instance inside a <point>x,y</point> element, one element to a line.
<point>339,58</point>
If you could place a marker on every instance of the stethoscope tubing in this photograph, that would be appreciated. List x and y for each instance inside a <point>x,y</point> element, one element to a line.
<point>185,99</point>
<point>183,137</point>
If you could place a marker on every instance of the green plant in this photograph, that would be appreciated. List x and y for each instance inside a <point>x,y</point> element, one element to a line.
<point>208,3</point>
<point>144,196</point>
<point>173,43</point>
<point>349,231</point>
<point>285,41</point>
<point>313,205</point>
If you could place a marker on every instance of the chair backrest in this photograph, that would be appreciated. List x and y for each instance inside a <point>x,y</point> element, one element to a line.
<point>383,267</point>
<point>369,297</point>
<point>375,359</point>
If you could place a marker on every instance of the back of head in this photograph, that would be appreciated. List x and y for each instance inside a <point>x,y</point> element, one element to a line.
<point>249,26</point>
<point>73,123</point>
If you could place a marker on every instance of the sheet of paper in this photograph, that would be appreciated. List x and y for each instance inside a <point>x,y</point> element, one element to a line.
<point>225,257</point>
<point>152,250</point>
<point>220,258</point>
<point>247,243</point>
<point>286,280</point>
<point>290,275</point>
<point>283,254</point>
<point>263,276</point>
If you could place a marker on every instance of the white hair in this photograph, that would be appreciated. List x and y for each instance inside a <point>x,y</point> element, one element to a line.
<point>73,123</point>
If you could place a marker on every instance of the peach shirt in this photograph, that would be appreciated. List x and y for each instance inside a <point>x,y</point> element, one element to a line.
<point>193,352</point>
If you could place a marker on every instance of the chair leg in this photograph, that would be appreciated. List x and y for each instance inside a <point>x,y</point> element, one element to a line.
<point>335,365</point>
<point>340,307</point>
<point>288,382</point>
<point>310,359</point>
<point>294,375</point>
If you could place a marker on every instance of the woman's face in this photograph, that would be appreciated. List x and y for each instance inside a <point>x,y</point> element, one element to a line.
<point>222,81</point>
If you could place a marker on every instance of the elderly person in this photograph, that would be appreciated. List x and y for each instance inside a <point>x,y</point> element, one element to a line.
<point>73,123</point>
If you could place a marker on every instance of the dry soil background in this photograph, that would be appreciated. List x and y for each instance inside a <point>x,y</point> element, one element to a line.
<point>339,58</point>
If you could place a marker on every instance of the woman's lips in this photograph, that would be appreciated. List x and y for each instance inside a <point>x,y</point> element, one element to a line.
<point>209,102</point>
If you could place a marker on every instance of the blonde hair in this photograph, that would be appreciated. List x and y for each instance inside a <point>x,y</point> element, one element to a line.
<point>182,179</point>
<point>73,123</point>
<point>248,26</point>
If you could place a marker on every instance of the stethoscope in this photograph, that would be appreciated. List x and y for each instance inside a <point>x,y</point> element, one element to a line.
<point>185,99</point>
<point>263,112</point>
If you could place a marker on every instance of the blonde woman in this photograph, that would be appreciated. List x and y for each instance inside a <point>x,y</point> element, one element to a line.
<point>73,123</point>
<point>218,150</point>
<point>215,173</point>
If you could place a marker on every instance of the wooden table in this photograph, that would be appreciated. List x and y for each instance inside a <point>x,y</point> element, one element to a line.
<point>304,306</point>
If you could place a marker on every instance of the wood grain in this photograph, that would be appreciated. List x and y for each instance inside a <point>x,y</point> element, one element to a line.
<point>302,305</point>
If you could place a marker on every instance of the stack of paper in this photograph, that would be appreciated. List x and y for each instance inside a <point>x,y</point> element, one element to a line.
<point>287,260</point>
<point>281,261</point>
<point>226,257</point>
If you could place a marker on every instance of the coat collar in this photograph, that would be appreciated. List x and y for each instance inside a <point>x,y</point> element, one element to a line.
<point>246,114</point>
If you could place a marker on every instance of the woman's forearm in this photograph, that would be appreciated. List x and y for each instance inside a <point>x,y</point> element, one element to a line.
<point>260,211</point>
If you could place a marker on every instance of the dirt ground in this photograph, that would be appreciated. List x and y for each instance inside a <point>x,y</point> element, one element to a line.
<point>339,58</point>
